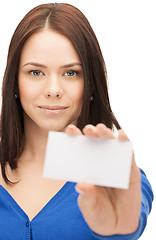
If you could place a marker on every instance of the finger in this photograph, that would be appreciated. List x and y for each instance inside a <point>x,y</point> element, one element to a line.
<point>83,187</point>
<point>133,161</point>
<point>88,198</point>
<point>104,132</point>
<point>73,130</point>
<point>90,131</point>
<point>122,136</point>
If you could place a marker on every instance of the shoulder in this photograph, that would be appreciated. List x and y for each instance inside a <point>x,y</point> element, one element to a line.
<point>147,192</point>
<point>1,178</point>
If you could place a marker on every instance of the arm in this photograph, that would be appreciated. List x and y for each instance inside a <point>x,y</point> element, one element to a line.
<point>114,213</point>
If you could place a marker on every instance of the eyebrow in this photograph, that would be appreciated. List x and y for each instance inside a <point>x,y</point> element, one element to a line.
<point>43,66</point>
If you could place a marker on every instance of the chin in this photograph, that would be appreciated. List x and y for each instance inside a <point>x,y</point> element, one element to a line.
<point>54,128</point>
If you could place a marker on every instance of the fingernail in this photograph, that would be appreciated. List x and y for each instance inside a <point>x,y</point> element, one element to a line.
<point>101,125</point>
<point>78,190</point>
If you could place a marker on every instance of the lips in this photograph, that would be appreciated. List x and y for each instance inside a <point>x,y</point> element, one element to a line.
<point>56,107</point>
<point>54,110</point>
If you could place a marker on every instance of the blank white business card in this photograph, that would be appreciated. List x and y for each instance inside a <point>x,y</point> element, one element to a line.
<point>94,160</point>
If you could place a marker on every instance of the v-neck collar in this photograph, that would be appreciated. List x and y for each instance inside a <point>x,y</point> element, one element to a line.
<point>19,210</point>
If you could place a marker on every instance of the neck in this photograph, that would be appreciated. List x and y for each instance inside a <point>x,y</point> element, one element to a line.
<point>35,140</point>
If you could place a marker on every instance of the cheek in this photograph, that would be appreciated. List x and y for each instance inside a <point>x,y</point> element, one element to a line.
<point>76,95</point>
<point>27,91</point>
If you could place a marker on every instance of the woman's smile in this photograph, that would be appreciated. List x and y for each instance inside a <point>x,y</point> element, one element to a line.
<point>53,110</point>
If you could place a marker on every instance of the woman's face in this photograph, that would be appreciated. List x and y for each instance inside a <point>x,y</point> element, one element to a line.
<point>50,81</point>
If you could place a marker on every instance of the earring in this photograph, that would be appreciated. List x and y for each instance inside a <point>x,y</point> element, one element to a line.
<point>91,98</point>
<point>16,95</point>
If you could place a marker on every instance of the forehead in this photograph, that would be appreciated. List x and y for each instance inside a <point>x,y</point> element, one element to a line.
<point>48,46</point>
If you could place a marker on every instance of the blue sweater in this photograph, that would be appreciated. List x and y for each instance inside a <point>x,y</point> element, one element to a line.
<point>60,219</point>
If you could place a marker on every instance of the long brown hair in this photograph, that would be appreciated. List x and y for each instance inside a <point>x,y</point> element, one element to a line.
<point>69,21</point>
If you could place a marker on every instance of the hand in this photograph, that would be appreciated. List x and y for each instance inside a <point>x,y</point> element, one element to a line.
<point>109,211</point>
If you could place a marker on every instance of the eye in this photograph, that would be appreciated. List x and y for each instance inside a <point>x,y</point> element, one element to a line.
<point>36,73</point>
<point>71,73</point>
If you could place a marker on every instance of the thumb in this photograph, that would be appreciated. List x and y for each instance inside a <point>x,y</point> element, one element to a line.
<point>88,197</point>
<point>85,188</point>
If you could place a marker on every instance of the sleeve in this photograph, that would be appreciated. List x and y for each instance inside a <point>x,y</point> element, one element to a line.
<point>147,198</point>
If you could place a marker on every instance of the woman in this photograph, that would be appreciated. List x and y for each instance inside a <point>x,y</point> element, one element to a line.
<point>56,79</point>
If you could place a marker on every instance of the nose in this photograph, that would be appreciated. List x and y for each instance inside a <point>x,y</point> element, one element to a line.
<point>53,88</point>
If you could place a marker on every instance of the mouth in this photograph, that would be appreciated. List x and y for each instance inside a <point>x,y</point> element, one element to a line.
<point>53,109</point>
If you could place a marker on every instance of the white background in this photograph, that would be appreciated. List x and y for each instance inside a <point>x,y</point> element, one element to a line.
<point>126,30</point>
